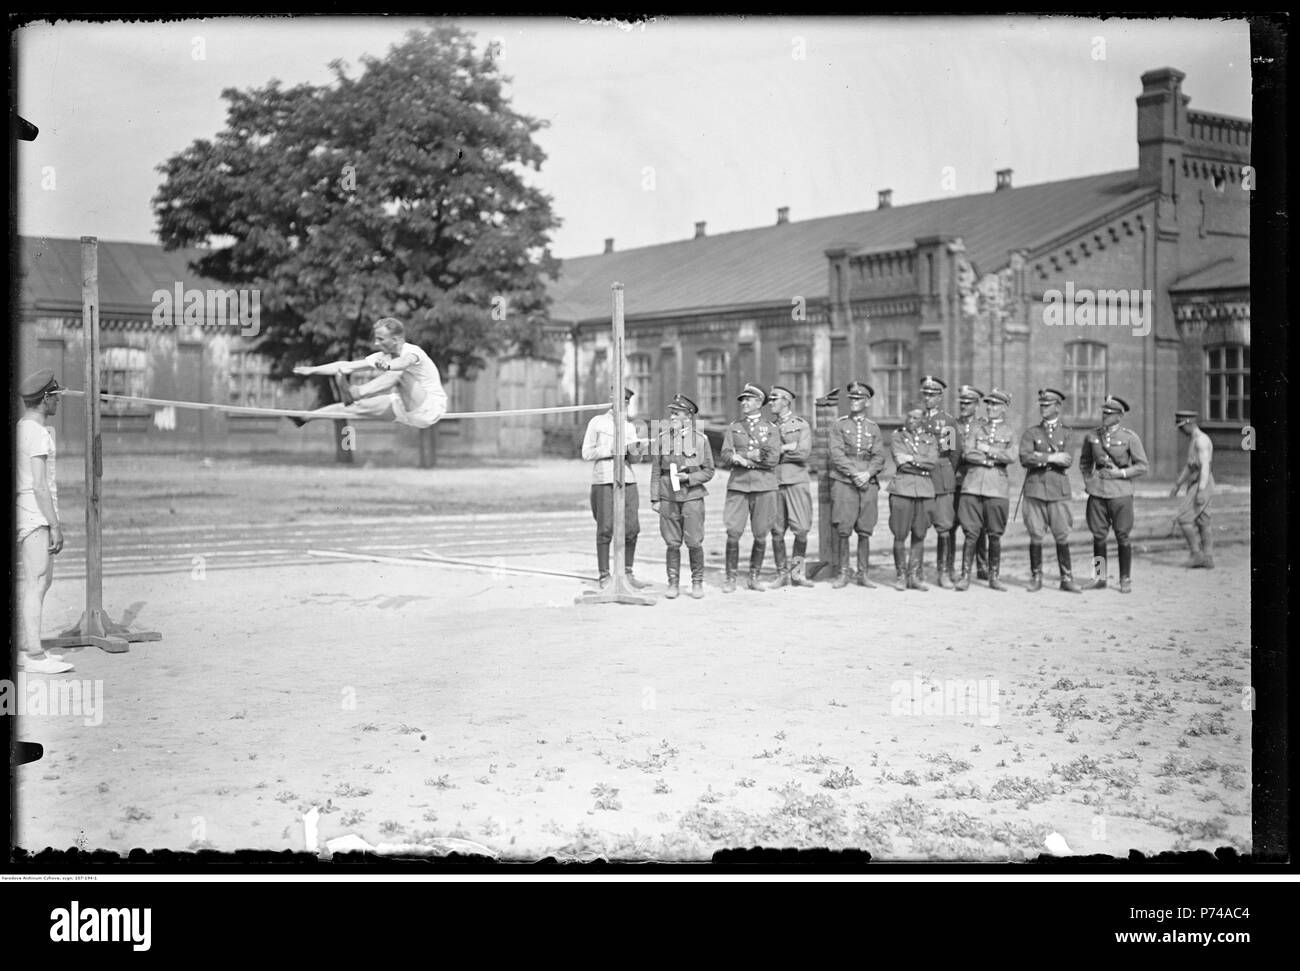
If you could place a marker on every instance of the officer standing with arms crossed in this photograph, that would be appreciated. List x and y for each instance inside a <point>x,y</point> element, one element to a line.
<point>968,399</point>
<point>943,428</point>
<point>1045,454</point>
<point>986,488</point>
<point>751,446</point>
<point>1111,458</point>
<point>911,495</point>
<point>682,462</point>
<point>857,455</point>
<point>793,498</point>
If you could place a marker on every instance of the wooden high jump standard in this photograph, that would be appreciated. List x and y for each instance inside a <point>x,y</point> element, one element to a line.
<point>618,590</point>
<point>95,628</point>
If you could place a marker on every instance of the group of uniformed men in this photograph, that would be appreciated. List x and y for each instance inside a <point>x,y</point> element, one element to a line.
<point>950,473</point>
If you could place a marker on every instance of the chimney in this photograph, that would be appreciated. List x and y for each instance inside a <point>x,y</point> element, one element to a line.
<point>1162,126</point>
<point>1004,179</point>
<point>783,215</point>
<point>609,244</point>
<point>884,198</point>
<point>699,230</point>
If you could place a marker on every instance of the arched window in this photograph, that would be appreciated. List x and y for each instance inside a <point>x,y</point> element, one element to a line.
<point>1085,379</point>
<point>711,382</point>
<point>1227,383</point>
<point>794,371</point>
<point>891,364</point>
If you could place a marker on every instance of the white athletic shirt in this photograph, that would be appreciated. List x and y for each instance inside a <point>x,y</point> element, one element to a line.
<point>34,439</point>
<point>422,374</point>
<point>598,448</point>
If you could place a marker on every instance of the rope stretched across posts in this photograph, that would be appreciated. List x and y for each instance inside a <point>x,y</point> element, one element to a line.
<point>299,413</point>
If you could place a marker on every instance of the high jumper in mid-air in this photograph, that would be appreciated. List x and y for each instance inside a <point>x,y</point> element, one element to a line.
<point>408,391</point>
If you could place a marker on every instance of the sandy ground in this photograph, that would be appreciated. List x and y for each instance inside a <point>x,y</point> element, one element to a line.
<point>410,703</point>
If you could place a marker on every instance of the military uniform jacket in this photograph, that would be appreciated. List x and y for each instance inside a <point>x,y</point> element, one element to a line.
<point>855,446</point>
<point>793,465</point>
<point>988,453</point>
<point>945,473</point>
<point>915,458</point>
<point>1043,481</point>
<point>966,428</point>
<point>1115,448</point>
<point>759,441</point>
<point>693,456</point>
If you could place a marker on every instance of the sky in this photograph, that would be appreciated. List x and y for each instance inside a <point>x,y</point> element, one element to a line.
<point>654,127</point>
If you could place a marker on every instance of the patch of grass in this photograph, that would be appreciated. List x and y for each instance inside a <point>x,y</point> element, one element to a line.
<point>442,782</point>
<point>353,817</point>
<point>841,780</point>
<point>347,789</point>
<point>134,814</point>
<point>606,798</point>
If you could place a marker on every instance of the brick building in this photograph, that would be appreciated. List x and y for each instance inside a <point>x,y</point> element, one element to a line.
<point>1134,282</point>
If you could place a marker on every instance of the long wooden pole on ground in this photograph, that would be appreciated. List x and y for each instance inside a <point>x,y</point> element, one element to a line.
<point>94,629</point>
<point>618,590</point>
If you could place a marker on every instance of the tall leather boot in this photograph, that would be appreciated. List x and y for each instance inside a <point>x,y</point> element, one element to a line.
<point>941,559</point>
<point>674,572</point>
<point>602,563</point>
<point>967,554</point>
<point>982,557</point>
<point>900,566</point>
<point>952,555</point>
<point>1125,568</point>
<point>846,574</point>
<point>1193,545</point>
<point>1100,568</point>
<point>697,570</point>
<point>732,564</point>
<point>1067,574</point>
<point>915,578</point>
<point>1207,546</point>
<point>798,578</point>
<point>995,563</point>
<point>864,562</point>
<point>756,553</point>
<point>782,567</point>
<point>1035,567</point>
<point>629,557</point>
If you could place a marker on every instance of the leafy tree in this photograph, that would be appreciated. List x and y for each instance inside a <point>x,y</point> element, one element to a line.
<point>400,191</point>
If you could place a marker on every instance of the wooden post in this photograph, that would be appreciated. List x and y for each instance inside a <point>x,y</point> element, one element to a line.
<point>618,590</point>
<point>828,541</point>
<point>94,628</point>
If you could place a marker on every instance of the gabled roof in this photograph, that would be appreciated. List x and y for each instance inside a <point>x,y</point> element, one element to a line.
<point>1228,273</point>
<point>129,273</point>
<point>771,264</point>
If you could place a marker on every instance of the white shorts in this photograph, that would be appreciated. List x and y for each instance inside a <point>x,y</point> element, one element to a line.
<point>433,408</point>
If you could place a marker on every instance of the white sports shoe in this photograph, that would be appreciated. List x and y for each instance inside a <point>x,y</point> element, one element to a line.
<point>46,665</point>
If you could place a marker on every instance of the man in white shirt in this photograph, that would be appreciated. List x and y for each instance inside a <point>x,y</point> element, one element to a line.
<point>598,448</point>
<point>40,534</point>
<point>408,390</point>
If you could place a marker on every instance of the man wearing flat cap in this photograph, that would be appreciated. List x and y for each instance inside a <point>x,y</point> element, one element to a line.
<point>40,534</point>
<point>856,450</point>
<point>1193,516</point>
<point>968,401</point>
<point>1045,454</point>
<point>986,488</point>
<point>598,448</point>
<point>751,446</point>
<point>680,464</point>
<point>944,429</point>
<point>1111,458</point>
<point>793,496</point>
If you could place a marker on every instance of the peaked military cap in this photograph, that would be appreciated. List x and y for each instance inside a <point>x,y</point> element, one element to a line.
<point>860,389</point>
<point>969,393</point>
<point>780,389</point>
<point>682,403</point>
<point>931,383</point>
<point>41,382</point>
<point>1115,405</point>
<point>997,397</point>
<point>1050,396</point>
<point>752,391</point>
<point>1183,417</point>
